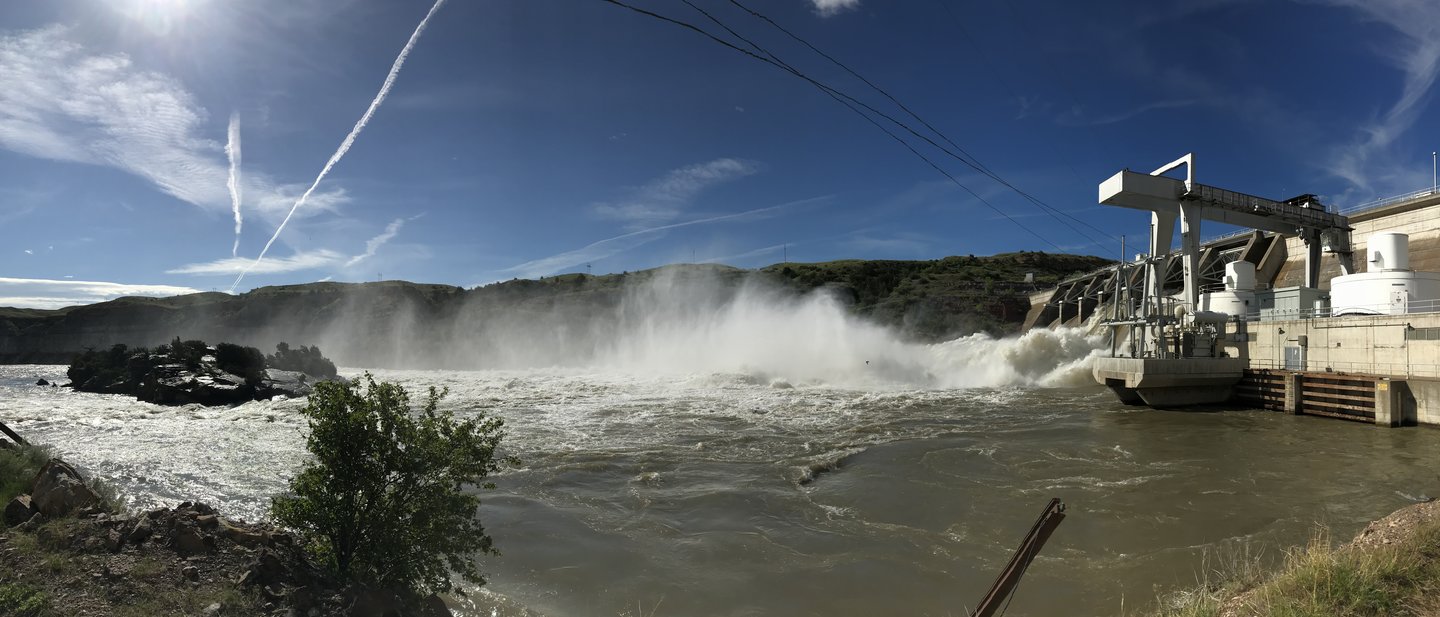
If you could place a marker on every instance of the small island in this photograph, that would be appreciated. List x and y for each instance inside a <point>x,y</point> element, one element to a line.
<point>185,372</point>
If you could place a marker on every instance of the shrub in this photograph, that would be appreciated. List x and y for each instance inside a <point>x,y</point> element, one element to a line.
<point>187,352</point>
<point>383,500</point>
<point>245,362</point>
<point>108,367</point>
<point>307,360</point>
<point>19,600</point>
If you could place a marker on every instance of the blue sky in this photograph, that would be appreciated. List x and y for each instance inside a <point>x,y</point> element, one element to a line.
<point>524,139</point>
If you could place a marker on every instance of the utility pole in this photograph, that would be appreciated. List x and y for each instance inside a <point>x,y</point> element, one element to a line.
<point>1433,183</point>
<point>785,255</point>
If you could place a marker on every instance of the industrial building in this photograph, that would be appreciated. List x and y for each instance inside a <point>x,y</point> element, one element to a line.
<point>1307,308</point>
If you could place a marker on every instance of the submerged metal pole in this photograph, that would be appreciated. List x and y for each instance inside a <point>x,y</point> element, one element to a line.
<point>1029,547</point>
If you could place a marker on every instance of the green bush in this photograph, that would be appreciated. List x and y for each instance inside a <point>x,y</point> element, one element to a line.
<point>383,499</point>
<point>245,362</point>
<point>307,360</point>
<point>18,600</point>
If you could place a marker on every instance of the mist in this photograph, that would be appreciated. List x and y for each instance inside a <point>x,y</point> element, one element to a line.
<point>678,320</point>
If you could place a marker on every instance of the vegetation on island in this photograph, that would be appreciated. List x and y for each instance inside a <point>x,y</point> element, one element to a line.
<point>303,359</point>
<point>191,371</point>
<point>383,500</point>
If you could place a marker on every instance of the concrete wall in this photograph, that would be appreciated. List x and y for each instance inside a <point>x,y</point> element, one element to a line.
<point>1394,345</point>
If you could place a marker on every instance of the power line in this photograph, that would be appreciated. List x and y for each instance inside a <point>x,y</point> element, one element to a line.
<point>844,99</point>
<point>977,165</point>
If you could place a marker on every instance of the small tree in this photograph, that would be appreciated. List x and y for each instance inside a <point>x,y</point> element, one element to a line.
<point>383,499</point>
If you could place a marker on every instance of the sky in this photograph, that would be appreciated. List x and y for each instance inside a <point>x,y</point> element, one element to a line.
<point>522,139</point>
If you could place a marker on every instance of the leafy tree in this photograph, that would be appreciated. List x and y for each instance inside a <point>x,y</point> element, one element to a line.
<point>245,362</point>
<point>383,501</point>
<point>307,360</point>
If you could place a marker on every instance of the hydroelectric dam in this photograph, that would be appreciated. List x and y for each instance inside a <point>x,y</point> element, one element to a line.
<point>1308,308</point>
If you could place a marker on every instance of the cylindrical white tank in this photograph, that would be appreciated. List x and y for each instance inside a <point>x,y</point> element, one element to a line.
<point>1389,252</point>
<point>1232,303</point>
<point>1240,276</point>
<point>1384,293</point>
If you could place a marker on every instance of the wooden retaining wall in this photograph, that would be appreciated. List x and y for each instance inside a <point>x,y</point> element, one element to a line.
<point>1332,395</point>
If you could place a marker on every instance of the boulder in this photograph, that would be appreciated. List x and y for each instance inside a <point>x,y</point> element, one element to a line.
<point>142,531</point>
<point>59,490</point>
<point>189,541</point>
<point>267,568</point>
<point>18,511</point>
<point>292,384</point>
<point>240,535</point>
<point>42,382</point>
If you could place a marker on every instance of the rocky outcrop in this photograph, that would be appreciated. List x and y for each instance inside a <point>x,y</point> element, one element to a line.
<point>59,490</point>
<point>167,377</point>
<point>19,510</point>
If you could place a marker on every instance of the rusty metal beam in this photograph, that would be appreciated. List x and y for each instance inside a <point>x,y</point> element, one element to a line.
<point>1029,547</point>
<point>12,435</point>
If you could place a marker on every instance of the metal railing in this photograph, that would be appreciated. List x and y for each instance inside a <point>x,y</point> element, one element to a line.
<point>1348,211</point>
<point>1381,203</point>
<point>1383,309</point>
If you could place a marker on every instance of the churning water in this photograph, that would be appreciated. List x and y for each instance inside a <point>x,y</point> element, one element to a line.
<point>806,465</point>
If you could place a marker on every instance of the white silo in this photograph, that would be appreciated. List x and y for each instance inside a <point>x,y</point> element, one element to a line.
<point>1389,287</point>
<point>1239,294</point>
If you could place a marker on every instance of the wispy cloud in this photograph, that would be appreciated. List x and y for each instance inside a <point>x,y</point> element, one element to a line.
<point>306,260</point>
<point>1370,159</point>
<point>730,259</point>
<point>50,294</point>
<point>1078,117</point>
<point>64,102</point>
<point>624,242</point>
<point>375,243</point>
<point>826,8</point>
<point>664,199</point>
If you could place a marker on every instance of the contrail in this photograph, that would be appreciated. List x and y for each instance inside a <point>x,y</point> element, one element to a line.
<point>349,139</point>
<point>232,150</point>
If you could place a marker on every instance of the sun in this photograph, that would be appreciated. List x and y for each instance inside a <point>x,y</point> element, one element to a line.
<point>160,17</point>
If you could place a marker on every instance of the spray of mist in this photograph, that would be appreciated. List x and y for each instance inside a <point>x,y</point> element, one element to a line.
<point>349,139</point>
<point>232,151</point>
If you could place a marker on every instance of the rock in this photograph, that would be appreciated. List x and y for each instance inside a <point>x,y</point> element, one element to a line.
<point>301,598</point>
<point>191,573</point>
<point>433,606</point>
<point>189,541</point>
<point>207,522</point>
<point>18,511</point>
<point>114,540</point>
<point>59,490</point>
<point>142,531</point>
<point>373,603</point>
<point>239,535</point>
<point>267,568</point>
<point>157,513</point>
<point>42,382</point>
<point>212,609</point>
<point>292,384</point>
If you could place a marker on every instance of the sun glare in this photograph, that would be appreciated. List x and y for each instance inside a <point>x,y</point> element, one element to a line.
<point>160,17</point>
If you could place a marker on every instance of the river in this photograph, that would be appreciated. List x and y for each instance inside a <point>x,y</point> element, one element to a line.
<point>652,492</point>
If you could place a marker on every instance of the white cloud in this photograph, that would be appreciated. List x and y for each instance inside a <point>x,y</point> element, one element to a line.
<point>664,199</point>
<point>826,8</point>
<point>1370,160</point>
<point>49,294</point>
<point>29,252</point>
<point>64,102</point>
<point>308,260</point>
<point>624,242</point>
<point>375,243</point>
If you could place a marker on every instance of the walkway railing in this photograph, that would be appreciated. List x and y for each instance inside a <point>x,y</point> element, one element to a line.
<point>1351,210</point>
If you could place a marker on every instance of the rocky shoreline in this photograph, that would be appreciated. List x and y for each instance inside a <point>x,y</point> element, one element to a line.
<point>63,544</point>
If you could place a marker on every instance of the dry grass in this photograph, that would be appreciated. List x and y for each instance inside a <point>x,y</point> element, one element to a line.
<point>1321,579</point>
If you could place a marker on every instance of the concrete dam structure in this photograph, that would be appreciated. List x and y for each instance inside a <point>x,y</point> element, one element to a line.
<point>1307,309</point>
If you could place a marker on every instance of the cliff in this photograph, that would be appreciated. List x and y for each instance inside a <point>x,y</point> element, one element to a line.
<point>555,320</point>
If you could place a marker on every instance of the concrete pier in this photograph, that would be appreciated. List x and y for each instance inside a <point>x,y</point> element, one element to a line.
<point>1169,383</point>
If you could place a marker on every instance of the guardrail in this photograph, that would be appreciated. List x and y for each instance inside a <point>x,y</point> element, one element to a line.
<point>1383,309</point>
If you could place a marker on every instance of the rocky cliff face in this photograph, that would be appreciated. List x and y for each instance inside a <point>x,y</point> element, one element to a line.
<point>556,320</point>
